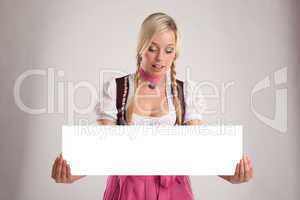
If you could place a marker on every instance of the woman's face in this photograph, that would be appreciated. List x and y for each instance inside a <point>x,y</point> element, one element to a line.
<point>158,58</point>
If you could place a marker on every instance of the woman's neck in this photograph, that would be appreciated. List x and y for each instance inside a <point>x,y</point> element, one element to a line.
<point>153,80</point>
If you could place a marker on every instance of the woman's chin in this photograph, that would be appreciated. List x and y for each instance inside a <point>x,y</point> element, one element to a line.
<point>157,71</point>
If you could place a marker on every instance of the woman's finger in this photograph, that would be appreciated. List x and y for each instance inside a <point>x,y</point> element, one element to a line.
<point>237,170</point>
<point>69,176</point>
<point>54,168</point>
<point>242,172</point>
<point>64,172</point>
<point>250,168</point>
<point>58,169</point>
<point>235,177</point>
<point>247,170</point>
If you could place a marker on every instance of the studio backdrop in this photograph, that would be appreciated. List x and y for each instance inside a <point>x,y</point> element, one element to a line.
<point>55,56</point>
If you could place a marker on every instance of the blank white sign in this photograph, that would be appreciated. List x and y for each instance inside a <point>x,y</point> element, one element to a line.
<point>152,150</point>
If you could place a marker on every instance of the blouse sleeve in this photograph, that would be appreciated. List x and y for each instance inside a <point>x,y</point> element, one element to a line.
<point>106,107</point>
<point>194,101</point>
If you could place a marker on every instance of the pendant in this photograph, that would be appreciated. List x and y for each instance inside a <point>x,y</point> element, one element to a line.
<point>151,86</point>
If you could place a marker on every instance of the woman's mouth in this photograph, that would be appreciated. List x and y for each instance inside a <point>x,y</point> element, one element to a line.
<point>157,66</point>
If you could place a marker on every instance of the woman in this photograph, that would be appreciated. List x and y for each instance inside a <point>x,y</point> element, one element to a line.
<point>155,97</point>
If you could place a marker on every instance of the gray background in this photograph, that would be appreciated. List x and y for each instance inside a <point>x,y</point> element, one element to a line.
<point>223,41</point>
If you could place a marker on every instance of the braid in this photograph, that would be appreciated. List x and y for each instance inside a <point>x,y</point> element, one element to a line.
<point>175,95</point>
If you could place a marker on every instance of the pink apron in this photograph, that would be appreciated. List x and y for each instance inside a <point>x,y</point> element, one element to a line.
<point>148,188</point>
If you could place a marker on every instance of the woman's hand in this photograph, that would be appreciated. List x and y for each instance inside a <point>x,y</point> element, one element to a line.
<point>61,171</point>
<point>243,172</point>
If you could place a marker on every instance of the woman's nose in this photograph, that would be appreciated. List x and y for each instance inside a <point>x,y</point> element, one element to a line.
<point>160,56</point>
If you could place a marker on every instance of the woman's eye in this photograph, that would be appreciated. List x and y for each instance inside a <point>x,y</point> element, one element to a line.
<point>169,50</point>
<point>152,49</point>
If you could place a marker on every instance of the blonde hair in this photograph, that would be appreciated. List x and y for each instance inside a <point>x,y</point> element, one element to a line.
<point>153,24</point>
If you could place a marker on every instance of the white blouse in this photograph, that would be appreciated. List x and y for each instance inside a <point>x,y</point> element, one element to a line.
<point>194,104</point>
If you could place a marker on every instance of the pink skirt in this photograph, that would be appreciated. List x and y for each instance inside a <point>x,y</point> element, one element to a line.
<point>148,188</point>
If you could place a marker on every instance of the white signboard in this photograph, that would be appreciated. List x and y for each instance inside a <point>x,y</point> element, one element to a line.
<point>152,150</point>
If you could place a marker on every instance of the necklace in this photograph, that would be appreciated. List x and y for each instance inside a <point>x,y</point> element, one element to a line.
<point>153,80</point>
